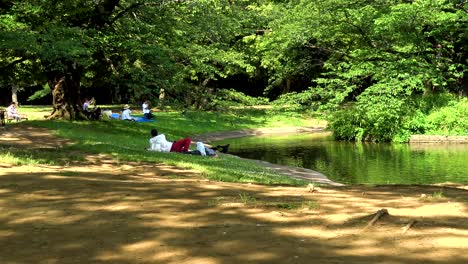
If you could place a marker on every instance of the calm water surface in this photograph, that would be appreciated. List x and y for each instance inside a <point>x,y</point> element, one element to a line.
<point>367,163</point>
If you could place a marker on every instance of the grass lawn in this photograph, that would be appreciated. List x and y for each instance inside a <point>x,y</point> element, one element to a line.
<point>127,141</point>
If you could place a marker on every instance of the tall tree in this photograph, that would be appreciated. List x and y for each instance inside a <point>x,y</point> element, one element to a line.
<point>75,41</point>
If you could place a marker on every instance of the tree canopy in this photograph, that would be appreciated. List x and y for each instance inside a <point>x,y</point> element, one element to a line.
<point>375,58</point>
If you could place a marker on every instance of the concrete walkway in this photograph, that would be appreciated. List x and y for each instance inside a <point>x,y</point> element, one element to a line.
<point>294,172</point>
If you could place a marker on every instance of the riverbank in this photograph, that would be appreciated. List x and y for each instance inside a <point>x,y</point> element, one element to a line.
<point>102,210</point>
<point>294,172</point>
<point>359,160</point>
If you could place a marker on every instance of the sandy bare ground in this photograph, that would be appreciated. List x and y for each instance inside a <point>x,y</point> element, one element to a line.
<point>102,211</point>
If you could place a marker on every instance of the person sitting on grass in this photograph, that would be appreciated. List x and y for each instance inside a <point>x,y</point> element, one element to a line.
<point>158,142</point>
<point>126,114</point>
<point>146,110</point>
<point>12,111</point>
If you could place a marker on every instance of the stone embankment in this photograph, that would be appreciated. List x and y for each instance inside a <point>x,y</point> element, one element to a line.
<point>438,139</point>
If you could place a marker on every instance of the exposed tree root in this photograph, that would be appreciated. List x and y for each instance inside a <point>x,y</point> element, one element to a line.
<point>408,226</point>
<point>376,217</point>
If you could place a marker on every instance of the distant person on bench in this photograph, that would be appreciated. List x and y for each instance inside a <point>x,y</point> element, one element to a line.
<point>12,112</point>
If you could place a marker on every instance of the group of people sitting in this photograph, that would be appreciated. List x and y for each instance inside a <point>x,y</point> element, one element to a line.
<point>159,143</point>
<point>96,113</point>
<point>147,113</point>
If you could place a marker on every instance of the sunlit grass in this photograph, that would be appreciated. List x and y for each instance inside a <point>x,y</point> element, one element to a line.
<point>18,159</point>
<point>127,141</point>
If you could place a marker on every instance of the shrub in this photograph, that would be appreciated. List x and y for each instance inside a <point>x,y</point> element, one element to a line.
<point>450,120</point>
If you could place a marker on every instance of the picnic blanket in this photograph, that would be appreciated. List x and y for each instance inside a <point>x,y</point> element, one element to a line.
<point>142,119</point>
<point>137,119</point>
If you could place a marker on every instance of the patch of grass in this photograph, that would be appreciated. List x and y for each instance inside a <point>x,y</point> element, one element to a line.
<point>248,199</point>
<point>294,205</point>
<point>216,201</point>
<point>24,156</point>
<point>8,186</point>
<point>438,195</point>
<point>310,205</point>
<point>70,173</point>
<point>175,176</point>
<point>288,206</point>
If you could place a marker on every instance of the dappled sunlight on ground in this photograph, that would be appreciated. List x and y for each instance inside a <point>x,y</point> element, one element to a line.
<point>102,211</point>
<point>125,214</point>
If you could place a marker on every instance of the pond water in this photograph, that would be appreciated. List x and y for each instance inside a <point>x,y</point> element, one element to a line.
<point>366,163</point>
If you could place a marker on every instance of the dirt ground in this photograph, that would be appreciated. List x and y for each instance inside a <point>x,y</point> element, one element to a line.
<point>102,211</point>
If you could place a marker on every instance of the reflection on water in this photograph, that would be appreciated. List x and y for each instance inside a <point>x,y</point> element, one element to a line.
<point>352,163</point>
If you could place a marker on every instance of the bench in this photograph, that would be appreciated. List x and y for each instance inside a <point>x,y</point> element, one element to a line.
<point>11,118</point>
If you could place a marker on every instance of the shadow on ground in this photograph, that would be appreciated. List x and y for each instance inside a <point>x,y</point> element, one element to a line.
<point>100,211</point>
<point>109,213</point>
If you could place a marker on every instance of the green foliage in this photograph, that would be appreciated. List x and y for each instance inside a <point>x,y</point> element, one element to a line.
<point>449,120</point>
<point>307,100</point>
<point>441,114</point>
<point>370,120</point>
<point>229,97</point>
<point>40,93</point>
<point>379,56</point>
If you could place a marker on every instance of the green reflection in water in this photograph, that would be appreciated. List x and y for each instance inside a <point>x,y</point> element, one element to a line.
<point>366,163</point>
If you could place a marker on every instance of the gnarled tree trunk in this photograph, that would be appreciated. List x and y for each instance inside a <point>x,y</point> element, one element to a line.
<point>66,97</point>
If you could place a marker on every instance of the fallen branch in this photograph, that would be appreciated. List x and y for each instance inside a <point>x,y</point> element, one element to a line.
<point>376,217</point>
<point>408,226</point>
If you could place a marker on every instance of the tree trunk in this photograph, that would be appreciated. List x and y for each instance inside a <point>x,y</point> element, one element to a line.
<point>288,86</point>
<point>14,93</point>
<point>66,97</point>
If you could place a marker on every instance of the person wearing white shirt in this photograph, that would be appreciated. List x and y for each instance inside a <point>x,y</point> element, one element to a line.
<point>13,111</point>
<point>87,103</point>
<point>146,110</point>
<point>158,142</point>
<point>126,113</point>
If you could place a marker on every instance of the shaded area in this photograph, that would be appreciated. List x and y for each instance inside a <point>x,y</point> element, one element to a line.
<point>105,212</point>
<point>26,136</point>
<point>99,210</point>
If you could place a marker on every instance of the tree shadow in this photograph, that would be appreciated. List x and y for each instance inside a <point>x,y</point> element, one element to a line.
<point>136,213</point>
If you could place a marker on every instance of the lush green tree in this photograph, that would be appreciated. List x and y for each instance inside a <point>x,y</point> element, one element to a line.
<point>213,45</point>
<point>380,56</point>
<point>83,42</point>
<point>136,47</point>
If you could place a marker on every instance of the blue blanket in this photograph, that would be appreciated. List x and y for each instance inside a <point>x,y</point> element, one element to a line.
<point>137,119</point>
<point>142,119</point>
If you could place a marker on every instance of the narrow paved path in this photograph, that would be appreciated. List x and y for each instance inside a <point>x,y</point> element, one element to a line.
<point>294,172</point>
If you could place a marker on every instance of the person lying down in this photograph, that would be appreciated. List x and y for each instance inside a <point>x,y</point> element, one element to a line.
<point>159,143</point>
